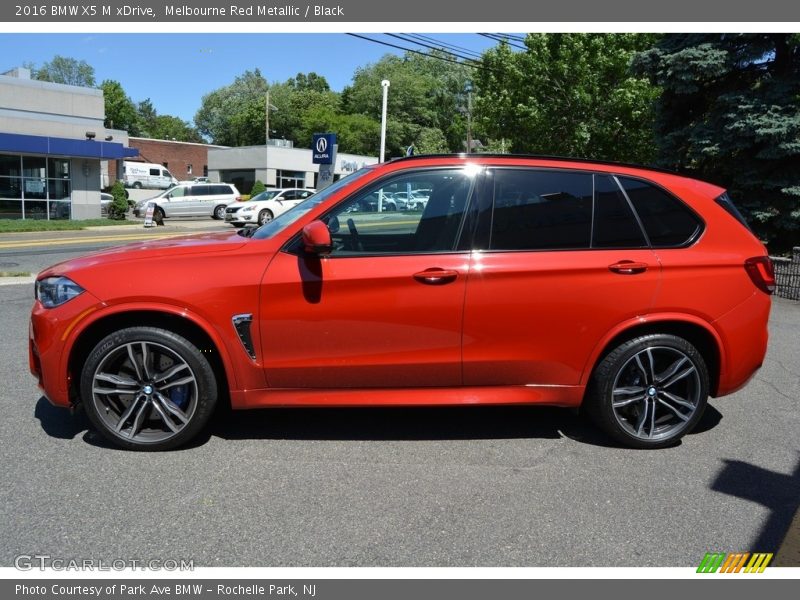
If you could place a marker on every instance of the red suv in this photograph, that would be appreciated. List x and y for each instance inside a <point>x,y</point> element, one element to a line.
<point>629,292</point>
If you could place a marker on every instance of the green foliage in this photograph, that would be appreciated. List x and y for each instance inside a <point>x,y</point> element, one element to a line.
<point>120,109</point>
<point>730,113</point>
<point>425,94</point>
<point>257,188</point>
<point>62,69</point>
<point>119,206</point>
<point>164,127</point>
<point>235,115</point>
<point>570,95</point>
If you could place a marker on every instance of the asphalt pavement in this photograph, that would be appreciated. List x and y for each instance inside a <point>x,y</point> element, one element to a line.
<point>472,486</point>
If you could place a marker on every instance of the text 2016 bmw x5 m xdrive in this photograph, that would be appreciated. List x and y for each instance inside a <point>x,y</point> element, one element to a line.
<point>632,293</point>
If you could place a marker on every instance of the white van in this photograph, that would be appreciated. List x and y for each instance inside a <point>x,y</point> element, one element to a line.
<point>146,175</point>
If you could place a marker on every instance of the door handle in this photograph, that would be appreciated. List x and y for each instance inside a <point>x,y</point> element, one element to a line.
<point>436,276</point>
<point>628,267</point>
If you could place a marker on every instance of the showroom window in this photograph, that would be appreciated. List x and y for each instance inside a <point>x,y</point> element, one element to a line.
<point>34,187</point>
<point>291,179</point>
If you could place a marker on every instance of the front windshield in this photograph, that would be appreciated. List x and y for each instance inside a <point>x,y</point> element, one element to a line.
<point>266,195</point>
<point>290,216</point>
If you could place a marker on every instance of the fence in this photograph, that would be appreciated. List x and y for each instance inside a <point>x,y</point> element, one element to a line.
<point>787,275</point>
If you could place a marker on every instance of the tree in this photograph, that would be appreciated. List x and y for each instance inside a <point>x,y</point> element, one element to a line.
<point>234,115</point>
<point>257,188</point>
<point>119,206</point>
<point>569,94</point>
<point>730,113</point>
<point>425,93</point>
<point>62,69</point>
<point>120,109</point>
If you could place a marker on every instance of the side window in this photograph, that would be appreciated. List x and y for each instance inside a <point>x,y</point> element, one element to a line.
<point>541,210</point>
<point>177,192</point>
<point>155,172</point>
<point>615,225</point>
<point>201,190</point>
<point>667,221</point>
<point>366,225</point>
<point>291,195</point>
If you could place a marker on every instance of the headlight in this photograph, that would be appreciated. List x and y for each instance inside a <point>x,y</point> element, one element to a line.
<point>55,291</point>
<point>248,209</point>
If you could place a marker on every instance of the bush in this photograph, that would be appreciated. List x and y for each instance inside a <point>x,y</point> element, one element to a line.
<point>257,188</point>
<point>119,206</point>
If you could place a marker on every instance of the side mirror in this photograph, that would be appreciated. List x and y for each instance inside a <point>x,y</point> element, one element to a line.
<point>317,238</point>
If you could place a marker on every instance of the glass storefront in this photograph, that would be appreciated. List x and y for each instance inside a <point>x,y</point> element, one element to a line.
<point>34,187</point>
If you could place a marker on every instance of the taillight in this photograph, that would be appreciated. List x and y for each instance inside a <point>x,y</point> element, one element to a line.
<point>761,272</point>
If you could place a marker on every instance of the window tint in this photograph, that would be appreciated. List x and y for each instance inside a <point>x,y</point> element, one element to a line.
<point>219,189</point>
<point>155,172</point>
<point>667,221</point>
<point>537,210</point>
<point>367,224</point>
<point>615,225</point>
<point>201,190</point>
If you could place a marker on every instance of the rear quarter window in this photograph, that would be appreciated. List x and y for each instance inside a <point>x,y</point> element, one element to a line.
<point>667,221</point>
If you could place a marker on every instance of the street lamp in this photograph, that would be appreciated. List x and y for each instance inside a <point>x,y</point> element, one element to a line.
<point>385,86</point>
<point>266,140</point>
<point>468,89</point>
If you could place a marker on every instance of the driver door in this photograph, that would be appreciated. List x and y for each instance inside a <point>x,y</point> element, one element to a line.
<point>384,310</point>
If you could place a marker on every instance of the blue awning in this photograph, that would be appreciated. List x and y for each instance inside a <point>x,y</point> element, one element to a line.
<point>39,144</point>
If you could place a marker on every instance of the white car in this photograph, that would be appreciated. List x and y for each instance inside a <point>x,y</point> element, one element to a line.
<point>264,207</point>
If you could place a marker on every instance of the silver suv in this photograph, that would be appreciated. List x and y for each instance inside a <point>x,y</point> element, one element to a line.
<point>191,200</point>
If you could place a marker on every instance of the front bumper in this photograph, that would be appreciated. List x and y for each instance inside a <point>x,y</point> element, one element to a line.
<point>50,342</point>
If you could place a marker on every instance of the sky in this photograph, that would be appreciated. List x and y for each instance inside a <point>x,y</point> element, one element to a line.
<point>175,70</point>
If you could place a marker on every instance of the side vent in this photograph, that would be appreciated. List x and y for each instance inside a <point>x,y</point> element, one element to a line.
<point>242,323</point>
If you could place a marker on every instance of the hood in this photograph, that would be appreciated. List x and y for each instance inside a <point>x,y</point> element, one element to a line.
<point>152,249</point>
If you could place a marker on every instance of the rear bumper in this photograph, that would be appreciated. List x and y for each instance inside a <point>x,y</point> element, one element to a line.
<point>744,336</point>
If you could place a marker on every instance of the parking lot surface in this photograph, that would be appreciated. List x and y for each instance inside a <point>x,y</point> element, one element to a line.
<point>472,486</point>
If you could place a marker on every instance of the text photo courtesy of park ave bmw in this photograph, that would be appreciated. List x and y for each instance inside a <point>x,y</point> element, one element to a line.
<point>394,302</point>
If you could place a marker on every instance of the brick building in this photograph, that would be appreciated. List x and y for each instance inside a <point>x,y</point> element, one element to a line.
<point>185,160</point>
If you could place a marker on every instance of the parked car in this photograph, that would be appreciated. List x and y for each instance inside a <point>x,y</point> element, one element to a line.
<point>105,201</point>
<point>264,207</point>
<point>630,293</point>
<point>191,200</point>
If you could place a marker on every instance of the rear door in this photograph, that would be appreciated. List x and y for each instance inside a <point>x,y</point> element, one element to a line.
<point>551,280</point>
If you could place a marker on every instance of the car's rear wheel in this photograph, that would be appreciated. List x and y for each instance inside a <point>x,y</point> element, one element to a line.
<point>219,212</point>
<point>265,216</point>
<point>148,389</point>
<point>650,391</point>
<point>137,185</point>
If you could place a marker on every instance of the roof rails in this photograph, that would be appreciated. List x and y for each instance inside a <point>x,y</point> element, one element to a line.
<point>539,157</point>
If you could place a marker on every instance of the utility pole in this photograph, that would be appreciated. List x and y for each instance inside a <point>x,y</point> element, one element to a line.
<point>385,85</point>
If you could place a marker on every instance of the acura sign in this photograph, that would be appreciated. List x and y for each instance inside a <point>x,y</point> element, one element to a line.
<point>322,148</point>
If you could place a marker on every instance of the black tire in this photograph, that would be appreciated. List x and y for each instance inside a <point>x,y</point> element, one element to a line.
<point>649,391</point>
<point>158,216</point>
<point>219,212</point>
<point>148,389</point>
<point>265,216</point>
<point>137,185</point>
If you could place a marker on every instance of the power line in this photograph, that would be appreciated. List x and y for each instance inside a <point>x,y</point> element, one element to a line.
<point>405,39</point>
<point>427,54</point>
<point>499,38</point>
<point>443,44</point>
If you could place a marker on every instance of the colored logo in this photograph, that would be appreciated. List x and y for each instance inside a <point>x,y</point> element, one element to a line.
<point>735,562</point>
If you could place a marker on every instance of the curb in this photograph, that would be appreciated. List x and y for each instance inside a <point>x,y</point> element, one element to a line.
<point>29,280</point>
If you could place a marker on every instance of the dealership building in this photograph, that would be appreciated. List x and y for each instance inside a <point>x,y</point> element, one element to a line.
<point>277,164</point>
<point>52,142</point>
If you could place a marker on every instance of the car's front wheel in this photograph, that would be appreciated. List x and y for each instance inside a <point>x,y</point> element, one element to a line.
<point>265,216</point>
<point>146,388</point>
<point>650,391</point>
